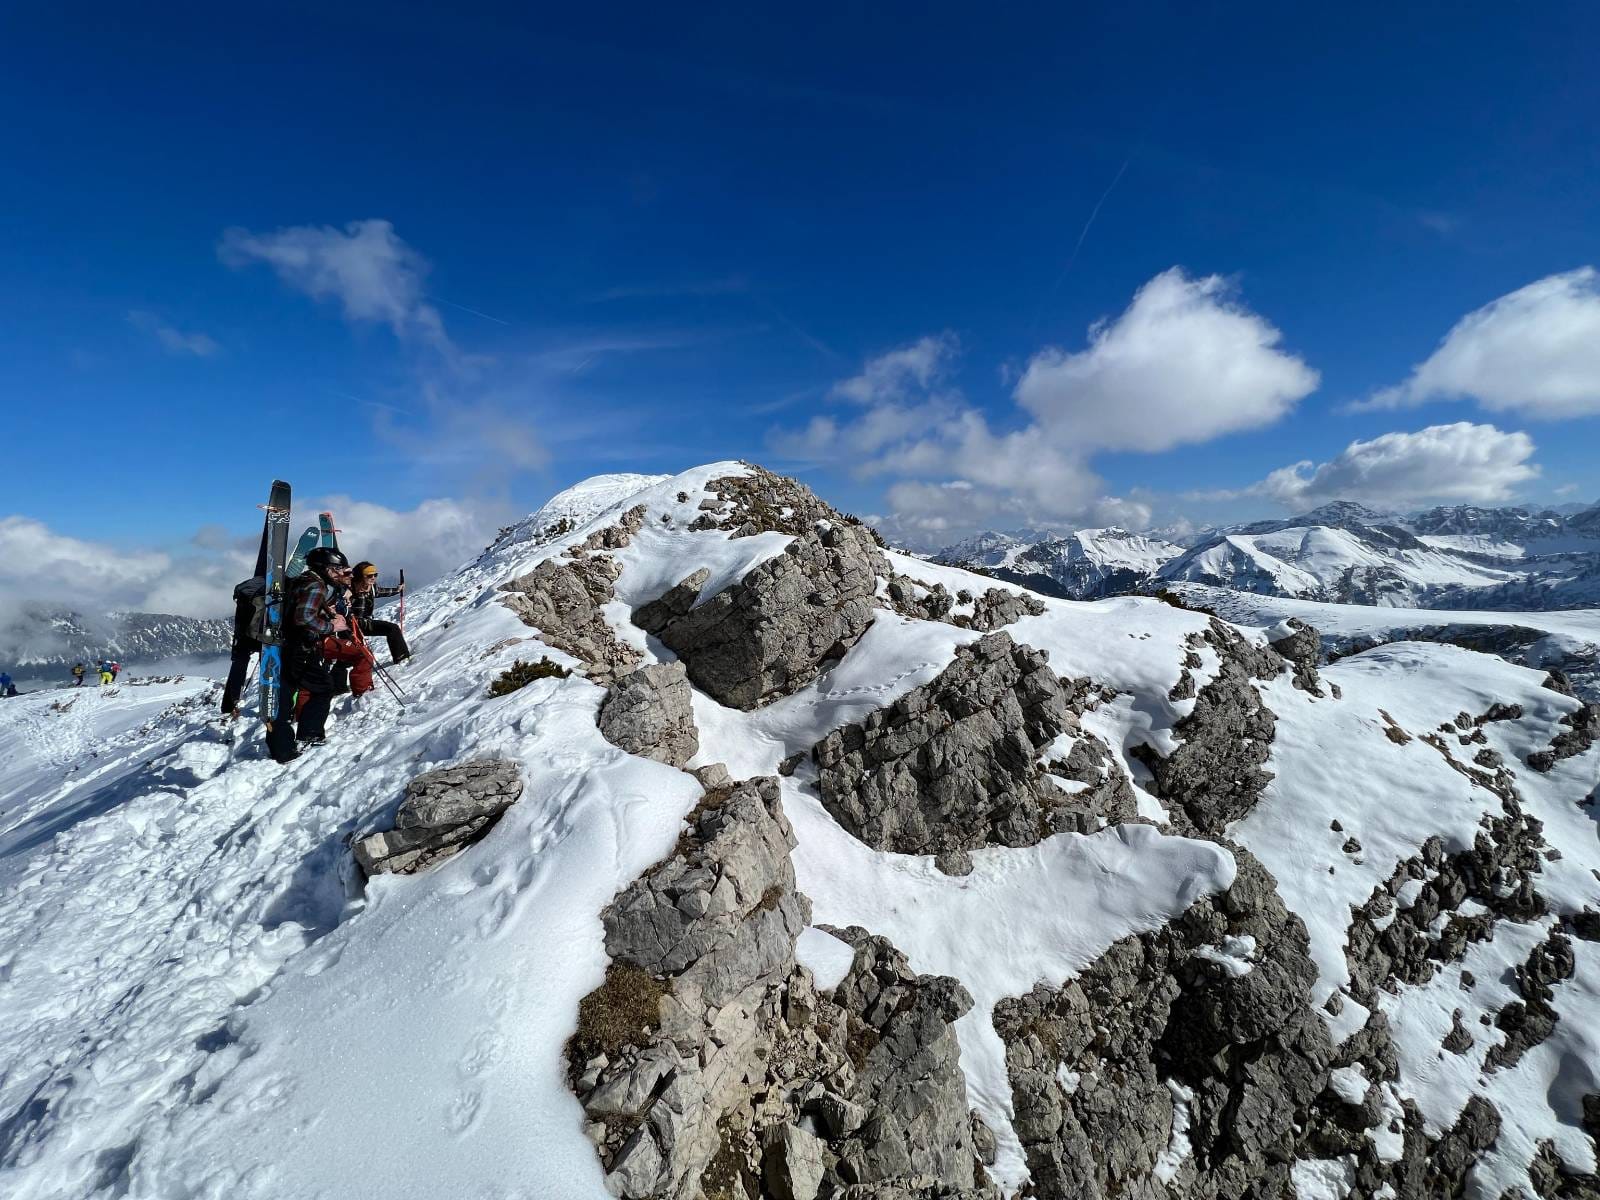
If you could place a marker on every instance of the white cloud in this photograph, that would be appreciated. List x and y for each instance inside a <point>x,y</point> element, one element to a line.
<point>43,570</point>
<point>1460,463</point>
<point>428,541</point>
<point>1185,363</point>
<point>1535,351</point>
<point>890,377</point>
<point>173,340</point>
<point>366,267</point>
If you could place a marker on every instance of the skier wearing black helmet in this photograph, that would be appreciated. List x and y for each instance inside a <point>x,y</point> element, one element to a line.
<point>315,598</point>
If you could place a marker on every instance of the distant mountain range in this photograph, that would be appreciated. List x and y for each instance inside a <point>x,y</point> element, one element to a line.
<point>41,639</point>
<point>1459,556</point>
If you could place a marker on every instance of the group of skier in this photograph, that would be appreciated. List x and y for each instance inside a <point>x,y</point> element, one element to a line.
<point>107,671</point>
<point>328,614</point>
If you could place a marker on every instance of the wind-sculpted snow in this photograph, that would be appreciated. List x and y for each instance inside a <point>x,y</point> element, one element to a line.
<point>1393,994</point>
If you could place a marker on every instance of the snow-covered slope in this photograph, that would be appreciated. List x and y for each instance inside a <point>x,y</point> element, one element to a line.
<point>199,997</point>
<point>1566,640</point>
<point>1461,557</point>
<point>1085,564</point>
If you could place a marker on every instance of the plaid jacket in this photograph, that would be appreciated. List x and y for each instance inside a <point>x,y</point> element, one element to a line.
<point>314,601</point>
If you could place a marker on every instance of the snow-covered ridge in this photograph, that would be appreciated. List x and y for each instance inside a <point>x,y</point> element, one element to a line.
<point>195,979</point>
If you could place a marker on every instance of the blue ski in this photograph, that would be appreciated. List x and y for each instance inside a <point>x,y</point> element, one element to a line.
<point>277,531</point>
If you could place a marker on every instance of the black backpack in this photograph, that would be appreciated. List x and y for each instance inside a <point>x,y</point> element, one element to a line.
<point>250,612</point>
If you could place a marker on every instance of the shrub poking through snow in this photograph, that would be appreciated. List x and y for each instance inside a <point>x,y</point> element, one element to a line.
<point>520,674</point>
<point>625,1010</point>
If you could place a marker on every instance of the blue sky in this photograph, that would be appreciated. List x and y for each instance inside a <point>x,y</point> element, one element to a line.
<point>647,238</point>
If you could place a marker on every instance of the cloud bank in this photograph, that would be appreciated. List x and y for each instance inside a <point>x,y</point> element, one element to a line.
<point>1535,352</point>
<point>1459,464</point>
<point>1185,363</point>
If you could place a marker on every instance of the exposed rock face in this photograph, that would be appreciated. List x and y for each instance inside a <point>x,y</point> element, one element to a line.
<point>953,765</point>
<point>762,502</point>
<point>1215,775</point>
<point>743,1081</point>
<point>770,633</point>
<point>1187,1055</point>
<point>650,712</point>
<point>443,812</point>
<point>562,598</point>
<point>999,607</point>
<point>1301,648</point>
<point>994,609</point>
<point>921,601</point>
<point>1583,729</point>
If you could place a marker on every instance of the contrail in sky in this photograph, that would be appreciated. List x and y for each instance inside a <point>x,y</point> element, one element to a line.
<point>1084,233</point>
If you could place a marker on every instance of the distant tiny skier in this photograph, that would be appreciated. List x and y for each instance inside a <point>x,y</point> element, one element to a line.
<point>106,673</point>
<point>116,669</point>
<point>364,590</point>
<point>7,688</point>
<point>78,672</point>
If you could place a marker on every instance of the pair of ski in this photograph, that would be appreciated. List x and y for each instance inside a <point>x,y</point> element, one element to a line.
<point>274,565</point>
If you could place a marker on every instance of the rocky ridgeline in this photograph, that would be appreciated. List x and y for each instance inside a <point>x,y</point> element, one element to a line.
<point>1186,1061</point>
<point>563,597</point>
<point>760,501</point>
<point>709,1065</point>
<point>772,632</point>
<point>990,610</point>
<point>954,765</point>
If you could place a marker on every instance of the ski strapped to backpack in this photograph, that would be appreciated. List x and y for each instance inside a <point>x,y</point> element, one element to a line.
<point>269,630</point>
<point>309,541</point>
<point>326,532</point>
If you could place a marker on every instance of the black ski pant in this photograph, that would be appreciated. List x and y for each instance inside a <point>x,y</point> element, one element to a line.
<point>280,735</point>
<point>314,716</point>
<point>237,669</point>
<point>389,630</point>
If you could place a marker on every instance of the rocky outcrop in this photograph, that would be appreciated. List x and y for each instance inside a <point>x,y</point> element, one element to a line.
<point>760,501</point>
<point>562,597</point>
<point>1581,732</point>
<point>1301,647</point>
<point>708,1064</point>
<point>999,607</point>
<point>992,610</point>
<point>921,601</point>
<point>1188,1056</point>
<point>771,633</point>
<point>953,765</point>
<point>443,812</point>
<point>650,712</point>
<point>1397,936</point>
<point>1216,774</point>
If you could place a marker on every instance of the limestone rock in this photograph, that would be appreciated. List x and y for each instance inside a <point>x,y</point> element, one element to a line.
<point>1301,649</point>
<point>792,1165</point>
<point>952,765</point>
<point>998,607</point>
<point>443,812</point>
<point>760,501</point>
<point>750,1073</point>
<point>1215,775</point>
<point>771,632</point>
<point>650,712</point>
<point>563,598</point>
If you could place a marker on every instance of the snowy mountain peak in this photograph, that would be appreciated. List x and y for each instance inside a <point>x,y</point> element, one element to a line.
<point>654,895</point>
